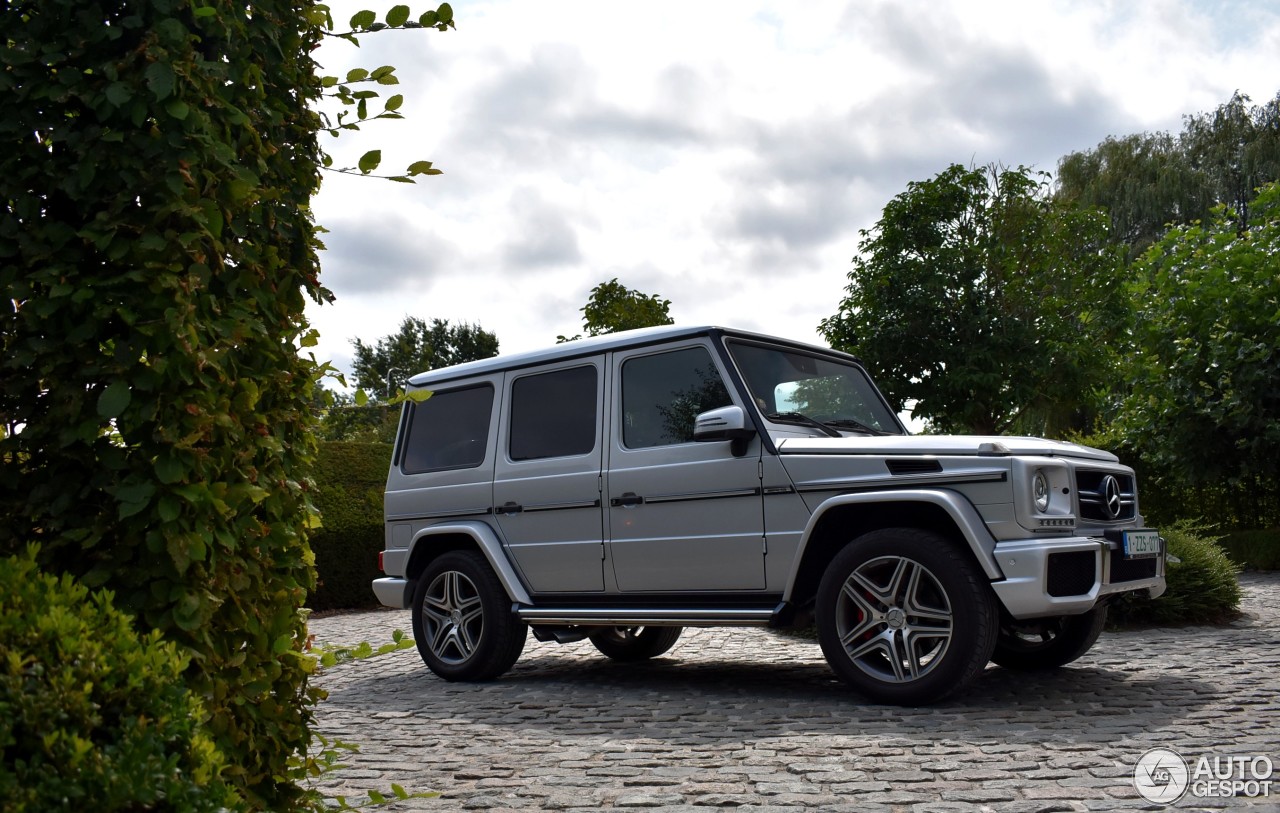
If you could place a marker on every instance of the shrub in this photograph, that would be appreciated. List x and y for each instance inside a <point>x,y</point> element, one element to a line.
<point>1202,587</point>
<point>1254,550</point>
<point>350,478</point>
<point>91,712</point>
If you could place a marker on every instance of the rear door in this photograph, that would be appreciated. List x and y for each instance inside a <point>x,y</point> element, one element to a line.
<point>546,488</point>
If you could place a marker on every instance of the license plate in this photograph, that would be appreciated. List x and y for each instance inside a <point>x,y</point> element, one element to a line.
<point>1141,544</point>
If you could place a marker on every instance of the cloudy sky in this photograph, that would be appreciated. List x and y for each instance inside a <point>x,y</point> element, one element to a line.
<point>723,154</point>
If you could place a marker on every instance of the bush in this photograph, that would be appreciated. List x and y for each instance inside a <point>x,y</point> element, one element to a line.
<point>1202,587</point>
<point>1254,550</point>
<point>350,478</point>
<point>91,713</point>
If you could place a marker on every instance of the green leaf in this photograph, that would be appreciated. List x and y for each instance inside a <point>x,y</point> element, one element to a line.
<point>356,74</point>
<point>418,396</point>
<point>419,167</point>
<point>428,19</point>
<point>363,19</point>
<point>160,80</point>
<point>114,399</point>
<point>397,16</point>
<point>445,13</point>
<point>361,398</point>
<point>178,109</point>
<point>169,470</point>
<point>370,160</point>
<point>394,102</point>
<point>118,93</point>
<point>205,11</point>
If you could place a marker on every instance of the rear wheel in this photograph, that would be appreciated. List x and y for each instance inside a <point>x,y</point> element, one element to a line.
<point>462,619</point>
<point>1047,643</point>
<point>905,616</point>
<point>635,643</point>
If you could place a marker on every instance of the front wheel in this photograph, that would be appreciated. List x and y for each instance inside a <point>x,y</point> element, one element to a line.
<point>905,616</point>
<point>462,619</point>
<point>635,643</point>
<point>1048,643</point>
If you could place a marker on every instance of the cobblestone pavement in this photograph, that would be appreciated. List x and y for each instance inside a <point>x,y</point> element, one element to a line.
<point>755,721</point>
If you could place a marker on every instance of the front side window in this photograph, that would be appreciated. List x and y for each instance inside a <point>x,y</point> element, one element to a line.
<point>553,414</point>
<point>449,430</point>
<point>786,384</point>
<point>662,394</point>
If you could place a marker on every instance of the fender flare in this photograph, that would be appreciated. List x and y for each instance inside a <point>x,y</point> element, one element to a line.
<point>488,543</point>
<point>966,518</point>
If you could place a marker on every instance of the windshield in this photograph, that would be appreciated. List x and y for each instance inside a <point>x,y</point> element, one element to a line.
<point>795,387</point>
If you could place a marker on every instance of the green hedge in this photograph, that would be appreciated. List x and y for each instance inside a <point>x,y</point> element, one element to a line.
<point>1202,587</point>
<point>1254,550</point>
<point>350,478</point>
<point>92,714</point>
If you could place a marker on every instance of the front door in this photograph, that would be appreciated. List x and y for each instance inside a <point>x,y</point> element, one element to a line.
<point>682,515</point>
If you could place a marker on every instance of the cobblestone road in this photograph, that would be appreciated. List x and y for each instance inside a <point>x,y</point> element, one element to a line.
<point>755,721</point>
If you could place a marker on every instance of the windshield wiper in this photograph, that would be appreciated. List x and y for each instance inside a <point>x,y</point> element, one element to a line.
<point>805,420</point>
<point>856,425</point>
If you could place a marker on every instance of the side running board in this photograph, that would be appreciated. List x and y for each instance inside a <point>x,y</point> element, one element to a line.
<point>650,616</point>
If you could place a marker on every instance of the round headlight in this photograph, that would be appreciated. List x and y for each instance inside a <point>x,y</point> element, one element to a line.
<point>1040,491</point>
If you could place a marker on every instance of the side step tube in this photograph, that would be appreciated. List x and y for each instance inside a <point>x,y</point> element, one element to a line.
<point>645,616</point>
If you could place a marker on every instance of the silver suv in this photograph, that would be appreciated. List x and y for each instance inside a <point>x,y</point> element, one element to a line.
<point>623,487</point>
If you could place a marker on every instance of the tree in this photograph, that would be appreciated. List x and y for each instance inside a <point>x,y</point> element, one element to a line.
<point>1205,401</point>
<point>1235,149</point>
<point>984,302</point>
<point>1148,181</point>
<point>612,307</point>
<point>1143,182</point>
<point>418,346</point>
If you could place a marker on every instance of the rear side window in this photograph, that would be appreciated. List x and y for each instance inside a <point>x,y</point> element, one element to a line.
<point>449,430</point>
<point>553,414</point>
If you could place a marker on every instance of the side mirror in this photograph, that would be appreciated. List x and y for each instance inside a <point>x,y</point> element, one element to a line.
<point>726,423</point>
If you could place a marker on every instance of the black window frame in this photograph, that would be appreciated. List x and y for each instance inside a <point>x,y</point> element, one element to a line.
<point>625,426</point>
<point>516,423</point>
<point>411,417</point>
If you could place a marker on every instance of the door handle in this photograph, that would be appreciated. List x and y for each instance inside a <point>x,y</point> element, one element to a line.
<point>628,500</point>
<point>510,508</point>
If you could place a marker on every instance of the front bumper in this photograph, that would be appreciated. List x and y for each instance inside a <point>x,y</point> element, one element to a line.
<point>1049,577</point>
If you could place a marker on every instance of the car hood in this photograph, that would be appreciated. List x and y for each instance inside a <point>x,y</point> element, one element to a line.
<point>941,445</point>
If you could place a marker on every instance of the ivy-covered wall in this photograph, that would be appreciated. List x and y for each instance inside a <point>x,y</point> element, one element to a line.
<point>157,163</point>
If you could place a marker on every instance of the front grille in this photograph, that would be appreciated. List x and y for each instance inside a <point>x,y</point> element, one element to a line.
<point>1071,574</point>
<point>1131,570</point>
<point>1099,505</point>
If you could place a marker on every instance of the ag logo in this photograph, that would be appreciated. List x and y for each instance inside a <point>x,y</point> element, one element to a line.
<point>1161,776</point>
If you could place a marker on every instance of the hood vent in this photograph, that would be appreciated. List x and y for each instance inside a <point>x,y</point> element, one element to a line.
<point>913,465</point>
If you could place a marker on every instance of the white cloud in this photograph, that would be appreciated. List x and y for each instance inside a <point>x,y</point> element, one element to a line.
<point>724,154</point>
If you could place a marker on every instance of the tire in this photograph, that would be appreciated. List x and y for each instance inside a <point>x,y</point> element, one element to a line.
<point>905,616</point>
<point>462,620</point>
<point>635,643</point>
<point>1048,643</point>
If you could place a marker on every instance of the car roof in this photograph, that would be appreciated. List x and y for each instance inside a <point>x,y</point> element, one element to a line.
<point>595,345</point>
